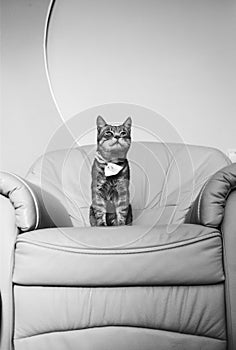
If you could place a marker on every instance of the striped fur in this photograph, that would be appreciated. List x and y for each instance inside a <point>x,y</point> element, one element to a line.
<point>110,195</point>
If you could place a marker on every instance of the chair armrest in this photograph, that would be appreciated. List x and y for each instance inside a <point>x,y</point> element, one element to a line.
<point>209,207</point>
<point>34,207</point>
<point>228,229</point>
<point>23,207</point>
<point>215,206</point>
<point>9,232</point>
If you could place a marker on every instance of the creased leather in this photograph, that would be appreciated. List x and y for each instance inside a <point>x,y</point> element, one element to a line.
<point>165,179</point>
<point>56,192</point>
<point>52,309</point>
<point>34,207</point>
<point>62,257</point>
<point>119,338</point>
<point>229,238</point>
<point>209,207</point>
<point>8,235</point>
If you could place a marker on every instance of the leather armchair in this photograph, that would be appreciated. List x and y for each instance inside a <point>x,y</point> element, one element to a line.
<point>166,282</point>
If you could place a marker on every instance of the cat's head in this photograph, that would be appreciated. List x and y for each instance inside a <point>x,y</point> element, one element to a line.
<point>113,141</point>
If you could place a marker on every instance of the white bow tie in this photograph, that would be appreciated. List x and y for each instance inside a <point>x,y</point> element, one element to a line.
<point>111,169</point>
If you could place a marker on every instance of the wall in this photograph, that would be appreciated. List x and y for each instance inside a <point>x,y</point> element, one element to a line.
<point>28,114</point>
<point>176,57</point>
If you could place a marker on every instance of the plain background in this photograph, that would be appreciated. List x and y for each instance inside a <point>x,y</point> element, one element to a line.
<point>174,57</point>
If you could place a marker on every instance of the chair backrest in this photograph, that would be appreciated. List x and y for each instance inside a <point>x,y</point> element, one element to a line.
<point>165,179</point>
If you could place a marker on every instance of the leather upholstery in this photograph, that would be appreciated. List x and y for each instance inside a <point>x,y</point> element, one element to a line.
<point>116,338</point>
<point>9,232</point>
<point>228,229</point>
<point>215,206</point>
<point>165,179</point>
<point>209,206</point>
<point>23,200</point>
<point>56,191</point>
<point>34,207</point>
<point>157,308</point>
<point>77,257</point>
<point>159,284</point>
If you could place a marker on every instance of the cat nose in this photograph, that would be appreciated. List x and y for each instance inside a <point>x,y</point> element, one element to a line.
<point>117,136</point>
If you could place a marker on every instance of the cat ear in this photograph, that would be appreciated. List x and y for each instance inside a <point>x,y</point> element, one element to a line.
<point>100,122</point>
<point>128,123</point>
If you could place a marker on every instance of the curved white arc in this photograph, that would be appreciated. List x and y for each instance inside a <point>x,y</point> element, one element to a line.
<point>45,54</point>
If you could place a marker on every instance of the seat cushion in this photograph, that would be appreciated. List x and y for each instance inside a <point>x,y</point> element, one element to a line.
<point>117,256</point>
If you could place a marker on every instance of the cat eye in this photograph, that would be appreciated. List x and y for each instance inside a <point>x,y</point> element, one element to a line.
<point>108,134</point>
<point>123,133</point>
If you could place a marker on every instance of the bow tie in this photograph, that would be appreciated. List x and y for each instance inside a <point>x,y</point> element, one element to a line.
<point>110,169</point>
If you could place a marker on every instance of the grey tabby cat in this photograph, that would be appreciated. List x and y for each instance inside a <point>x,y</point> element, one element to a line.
<point>111,175</point>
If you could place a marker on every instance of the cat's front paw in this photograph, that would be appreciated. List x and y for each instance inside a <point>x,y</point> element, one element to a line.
<point>113,222</point>
<point>121,221</point>
<point>101,223</point>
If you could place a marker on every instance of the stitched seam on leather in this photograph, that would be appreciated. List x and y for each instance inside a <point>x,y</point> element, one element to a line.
<point>11,310</point>
<point>199,202</point>
<point>125,252</point>
<point>228,288</point>
<point>201,194</point>
<point>117,326</point>
<point>32,195</point>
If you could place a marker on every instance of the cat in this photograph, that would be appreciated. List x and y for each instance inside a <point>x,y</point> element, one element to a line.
<point>110,175</point>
